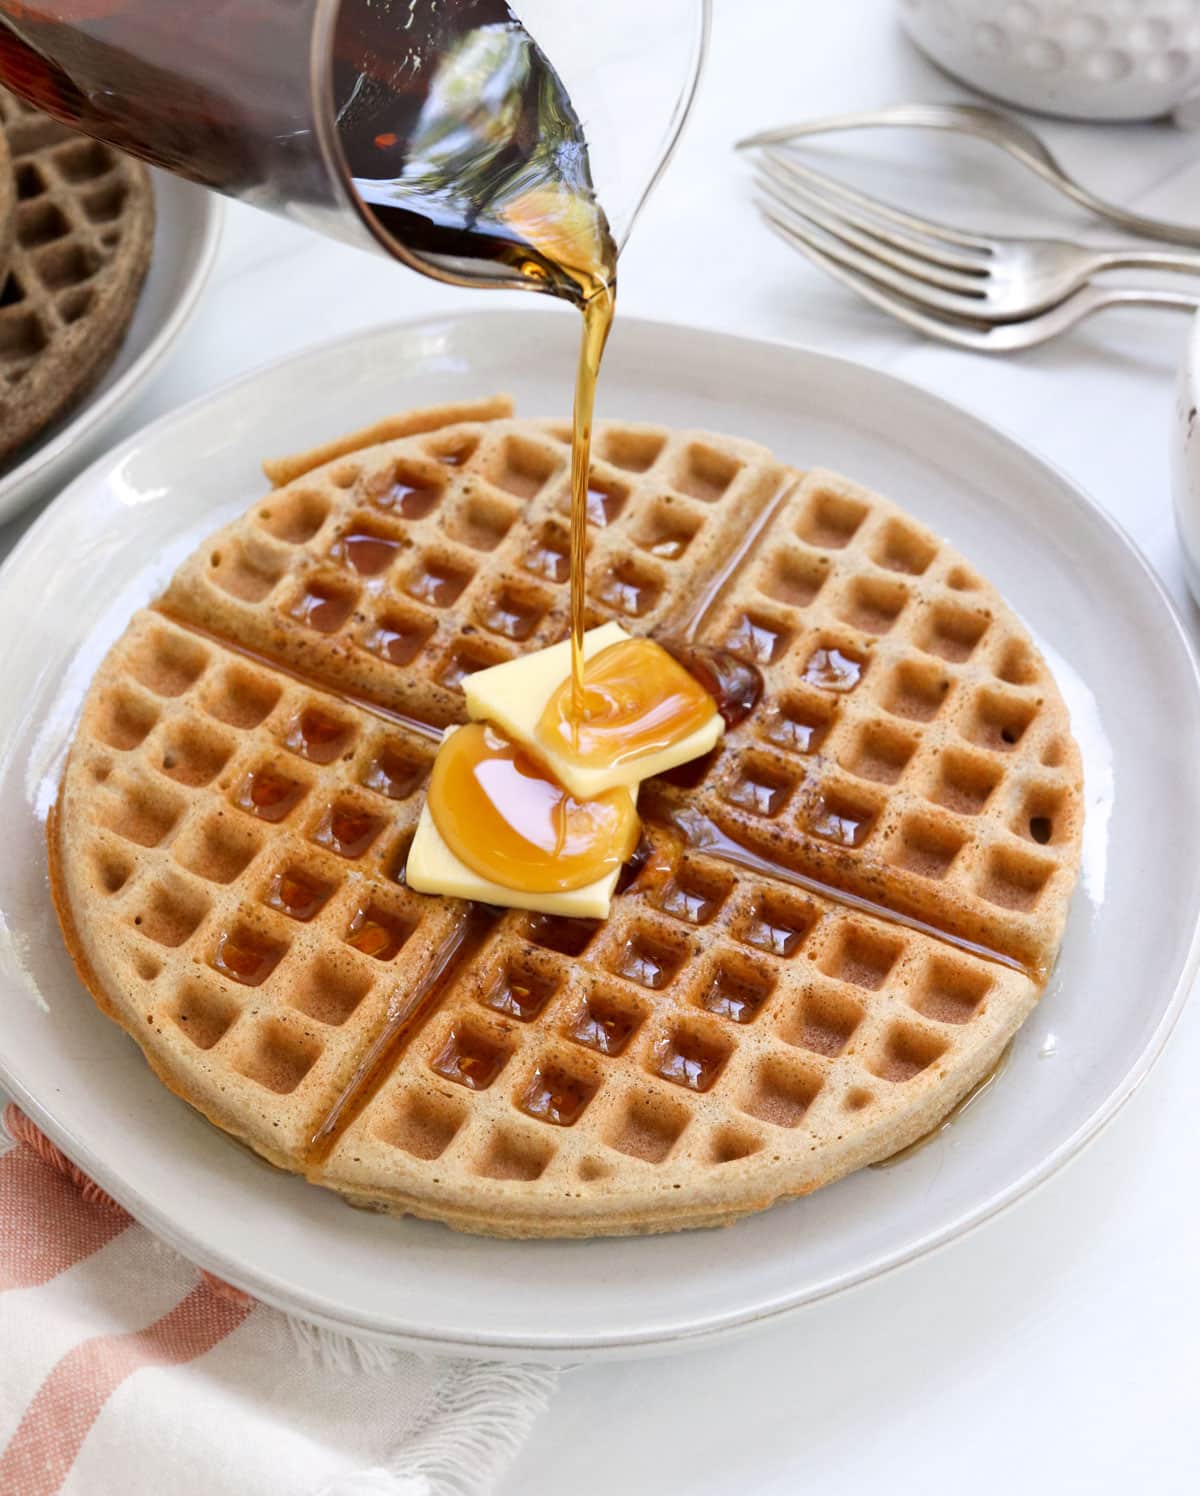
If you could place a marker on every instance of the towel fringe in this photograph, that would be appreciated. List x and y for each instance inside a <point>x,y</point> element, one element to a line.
<point>479,1421</point>
<point>334,1350</point>
<point>476,1422</point>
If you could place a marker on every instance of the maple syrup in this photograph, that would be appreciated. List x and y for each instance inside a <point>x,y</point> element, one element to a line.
<point>555,1096</point>
<point>268,795</point>
<point>637,700</point>
<point>296,896</point>
<point>689,1062</point>
<point>701,833</point>
<point>545,559</point>
<point>521,995</point>
<point>317,737</point>
<point>469,1060</point>
<point>652,862</point>
<point>465,148</point>
<point>833,670</point>
<point>375,936</point>
<point>460,138</point>
<point>733,683</point>
<point>243,959</point>
<point>730,998</point>
<point>394,775</point>
<point>400,644</point>
<point>322,607</point>
<point>952,1116</point>
<point>411,500</point>
<point>405,1015</point>
<point>840,823</point>
<point>603,506</point>
<point>366,552</point>
<point>346,831</point>
<point>503,816</point>
<point>603,1027</point>
<point>483,158</point>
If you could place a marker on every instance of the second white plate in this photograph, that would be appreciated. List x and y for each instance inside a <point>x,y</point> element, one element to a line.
<point>187,231</point>
<point>111,541</point>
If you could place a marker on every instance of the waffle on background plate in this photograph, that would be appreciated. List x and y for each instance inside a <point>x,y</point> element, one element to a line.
<point>871,892</point>
<point>82,229</point>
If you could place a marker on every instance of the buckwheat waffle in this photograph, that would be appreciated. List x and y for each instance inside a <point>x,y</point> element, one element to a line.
<point>846,915</point>
<point>84,226</point>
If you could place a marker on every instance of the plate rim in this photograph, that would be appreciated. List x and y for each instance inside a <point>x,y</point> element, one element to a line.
<point>19,485</point>
<point>632,1342</point>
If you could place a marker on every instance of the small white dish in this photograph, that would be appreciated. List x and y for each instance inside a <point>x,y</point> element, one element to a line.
<point>187,233</point>
<point>111,541</point>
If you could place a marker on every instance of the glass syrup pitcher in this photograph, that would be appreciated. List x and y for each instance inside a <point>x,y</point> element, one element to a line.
<point>474,140</point>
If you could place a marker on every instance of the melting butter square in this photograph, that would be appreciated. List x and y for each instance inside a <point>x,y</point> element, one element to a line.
<point>513,697</point>
<point>433,868</point>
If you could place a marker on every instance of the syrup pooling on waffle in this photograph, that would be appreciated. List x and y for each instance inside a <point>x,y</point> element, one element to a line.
<point>725,1038</point>
<point>243,835</point>
<point>590,1073</point>
<point>84,223</point>
<point>392,573</point>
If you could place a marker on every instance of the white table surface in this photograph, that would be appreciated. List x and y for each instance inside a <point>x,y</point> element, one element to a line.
<point>1056,1349</point>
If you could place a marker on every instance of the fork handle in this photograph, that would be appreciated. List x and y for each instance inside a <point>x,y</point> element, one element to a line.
<point>1186,262</point>
<point>1101,298</point>
<point>1030,151</point>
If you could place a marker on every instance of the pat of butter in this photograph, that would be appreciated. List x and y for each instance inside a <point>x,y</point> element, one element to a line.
<point>513,696</point>
<point>433,868</point>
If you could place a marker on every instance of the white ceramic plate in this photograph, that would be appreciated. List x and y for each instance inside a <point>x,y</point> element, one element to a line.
<point>111,541</point>
<point>1185,459</point>
<point>186,234</point>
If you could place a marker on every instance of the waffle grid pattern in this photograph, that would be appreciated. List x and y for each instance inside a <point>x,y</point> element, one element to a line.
<point>909,745</point>
<point>716,1021</point>
<point>267,945</point>
<point>724,1039</point>
<point>245,833</point>
<point>84,222</point>
<point>395,572</point>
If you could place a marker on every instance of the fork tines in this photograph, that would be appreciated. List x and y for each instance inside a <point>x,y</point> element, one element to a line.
<point>933,264</point>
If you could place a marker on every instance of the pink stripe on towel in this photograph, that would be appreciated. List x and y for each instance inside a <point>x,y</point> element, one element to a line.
<point>49,1436</point>
<point>52,1215</point>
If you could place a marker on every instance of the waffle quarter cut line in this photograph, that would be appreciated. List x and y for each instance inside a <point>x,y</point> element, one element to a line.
<point>375,708</point>
<point>693,621</point>
<point>458,946</point>
<point>698,829</point>
<point>701,834</point>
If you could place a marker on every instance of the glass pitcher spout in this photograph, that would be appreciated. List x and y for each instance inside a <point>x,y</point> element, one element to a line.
<point>439,131</point>
<point>483,168</point>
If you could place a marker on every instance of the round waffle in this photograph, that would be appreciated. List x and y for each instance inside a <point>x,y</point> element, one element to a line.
<point>84,227</point>
<point>855,899</point>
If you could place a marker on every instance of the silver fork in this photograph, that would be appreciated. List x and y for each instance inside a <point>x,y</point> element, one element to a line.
<point>1004,131</point>
<point>998,337</point>
<point>986,277</point>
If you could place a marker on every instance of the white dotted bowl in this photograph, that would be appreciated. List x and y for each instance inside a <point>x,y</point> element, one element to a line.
<point>1092,59</point>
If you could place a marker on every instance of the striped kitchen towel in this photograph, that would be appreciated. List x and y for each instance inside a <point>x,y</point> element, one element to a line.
<point>125,1372</point>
